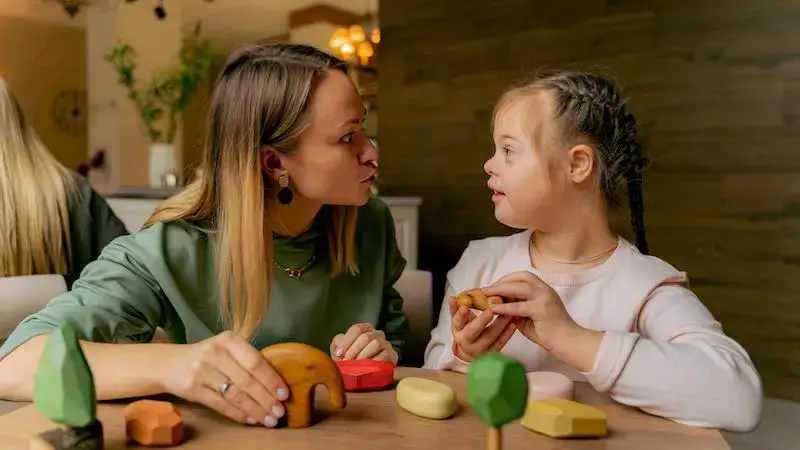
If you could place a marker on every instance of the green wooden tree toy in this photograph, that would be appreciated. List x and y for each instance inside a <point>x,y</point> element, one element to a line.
<point>64,392</point>
<point>497,390</point>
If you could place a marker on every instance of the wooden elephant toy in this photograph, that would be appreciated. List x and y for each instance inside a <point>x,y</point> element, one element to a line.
<point>303,367</point>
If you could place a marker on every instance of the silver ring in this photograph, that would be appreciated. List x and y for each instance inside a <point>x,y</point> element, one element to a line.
<point>224,388</point>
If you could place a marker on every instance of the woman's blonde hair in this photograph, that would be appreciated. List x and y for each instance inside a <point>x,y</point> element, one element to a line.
<point>261,98</point>
<point>35,190</point>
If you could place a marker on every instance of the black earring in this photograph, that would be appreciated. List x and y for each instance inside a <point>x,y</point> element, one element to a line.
<point>285,194</point>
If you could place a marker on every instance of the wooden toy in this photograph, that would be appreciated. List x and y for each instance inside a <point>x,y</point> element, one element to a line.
<point>153,423</point>
<point>426,398</point>
<point>475,298</point>
<point>366,374</point>
<point>303,367</point>
<point>64,392</point>
<point>560,418</point>
<point>497,389</point>
<point>547,385</point>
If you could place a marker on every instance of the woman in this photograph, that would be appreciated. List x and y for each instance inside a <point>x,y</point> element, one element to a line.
<point>51,220</point>
<point>279,240</point>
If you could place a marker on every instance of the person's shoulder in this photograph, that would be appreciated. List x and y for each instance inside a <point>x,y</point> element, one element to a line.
<point>165,240</point>
<point>634,268</point>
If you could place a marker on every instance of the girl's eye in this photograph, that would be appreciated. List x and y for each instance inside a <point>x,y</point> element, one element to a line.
<point>506,151</point>
<point>348,138</point>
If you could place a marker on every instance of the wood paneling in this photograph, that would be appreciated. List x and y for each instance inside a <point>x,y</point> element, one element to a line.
<point>716,88</point>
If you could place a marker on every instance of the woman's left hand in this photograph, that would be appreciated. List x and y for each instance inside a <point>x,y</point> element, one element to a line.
<point>362,341</point>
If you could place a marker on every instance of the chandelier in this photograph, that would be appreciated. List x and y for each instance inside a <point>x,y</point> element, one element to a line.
<point>351,42</point>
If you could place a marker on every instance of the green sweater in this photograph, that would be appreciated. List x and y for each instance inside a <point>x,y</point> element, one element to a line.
<point>164,277</point>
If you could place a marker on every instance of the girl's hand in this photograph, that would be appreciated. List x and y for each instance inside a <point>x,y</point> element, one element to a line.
<point>540,315</point>
<point>255,390</point>
<point>474,335</point>
<point>363,341</point>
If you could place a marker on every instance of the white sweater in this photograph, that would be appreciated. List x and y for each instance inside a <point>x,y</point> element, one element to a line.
<point>662,350</point>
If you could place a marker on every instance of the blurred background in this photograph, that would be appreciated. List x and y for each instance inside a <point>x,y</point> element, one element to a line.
<point>715,85</point>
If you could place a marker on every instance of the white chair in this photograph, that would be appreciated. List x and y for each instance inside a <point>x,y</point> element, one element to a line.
<point>416,288</point>
<point>25,295</point>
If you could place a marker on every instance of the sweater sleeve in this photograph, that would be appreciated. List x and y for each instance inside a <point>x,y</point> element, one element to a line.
<point>680,365</point>
<point>439,351</point>
<point>115,299</point>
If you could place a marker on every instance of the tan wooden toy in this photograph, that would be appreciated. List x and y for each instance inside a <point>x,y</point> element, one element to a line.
<point>475,298</point>
<point>303,367</point>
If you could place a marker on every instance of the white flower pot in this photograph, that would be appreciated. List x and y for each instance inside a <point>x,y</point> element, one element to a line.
<point>162,162</point>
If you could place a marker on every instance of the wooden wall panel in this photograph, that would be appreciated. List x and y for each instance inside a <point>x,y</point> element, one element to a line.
<point>716,88</point>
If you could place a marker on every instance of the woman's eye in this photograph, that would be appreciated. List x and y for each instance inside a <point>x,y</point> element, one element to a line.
<point>348,138</point>
<point>506,151</point>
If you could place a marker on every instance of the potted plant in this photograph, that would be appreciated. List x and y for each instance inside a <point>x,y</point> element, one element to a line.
<point>161,101</point>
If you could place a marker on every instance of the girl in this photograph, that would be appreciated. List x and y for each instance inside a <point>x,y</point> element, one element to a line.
<point>279,240</point>
<point>51,220</point>
<point>589,304</point>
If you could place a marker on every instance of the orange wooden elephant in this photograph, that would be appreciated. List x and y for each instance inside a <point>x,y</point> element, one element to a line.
<point>303,367</point>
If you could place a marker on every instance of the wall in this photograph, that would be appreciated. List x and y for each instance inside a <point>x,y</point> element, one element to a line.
<point>716,87</point>
<point>31,52</point>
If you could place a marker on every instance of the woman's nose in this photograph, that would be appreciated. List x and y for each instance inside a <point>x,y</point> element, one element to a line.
<point>369,152</point>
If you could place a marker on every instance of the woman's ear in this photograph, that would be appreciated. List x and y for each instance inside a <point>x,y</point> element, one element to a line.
<point>581,163</point>
<point>271,162</point>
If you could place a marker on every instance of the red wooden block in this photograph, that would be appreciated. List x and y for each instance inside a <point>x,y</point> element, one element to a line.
<point>366,374</point>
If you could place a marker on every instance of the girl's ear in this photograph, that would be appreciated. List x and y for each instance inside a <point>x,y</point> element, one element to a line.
<point>271,163</point>
<point>580,163</point>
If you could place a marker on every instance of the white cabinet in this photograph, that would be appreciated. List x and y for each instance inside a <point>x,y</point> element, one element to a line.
<point>134,211</point>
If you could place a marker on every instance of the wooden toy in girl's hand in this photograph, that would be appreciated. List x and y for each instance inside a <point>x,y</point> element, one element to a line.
<point>560,418</point>
<point>153,423</point>
<point>475,298</point>
<point>366,374</point>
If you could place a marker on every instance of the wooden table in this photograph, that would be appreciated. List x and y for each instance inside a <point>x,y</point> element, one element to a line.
<point>374,420</point>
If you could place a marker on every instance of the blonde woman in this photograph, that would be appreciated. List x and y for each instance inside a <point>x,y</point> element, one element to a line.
<point>51,220</point>
<point>279,240</point>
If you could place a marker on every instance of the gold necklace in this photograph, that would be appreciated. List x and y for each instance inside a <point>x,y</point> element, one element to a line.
<point>298,272</point>
<point>582,261</point>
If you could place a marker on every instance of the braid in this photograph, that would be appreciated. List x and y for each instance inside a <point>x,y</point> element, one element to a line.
<point>591,107</point>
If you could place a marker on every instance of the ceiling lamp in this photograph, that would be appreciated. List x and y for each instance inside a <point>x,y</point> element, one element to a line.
<point>351,42</point>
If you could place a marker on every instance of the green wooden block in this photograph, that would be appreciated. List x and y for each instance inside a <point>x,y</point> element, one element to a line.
<point>63,384</point>
<point>497,389</point>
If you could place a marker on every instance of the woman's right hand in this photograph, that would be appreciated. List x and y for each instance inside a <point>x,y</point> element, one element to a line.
<point>474,335</point>
<point>199,372</point>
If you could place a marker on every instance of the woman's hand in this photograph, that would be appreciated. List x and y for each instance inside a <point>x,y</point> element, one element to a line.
<point>200,373</point>
<point>541,316</point>
<point>474,335</point>
<point>363,341</point>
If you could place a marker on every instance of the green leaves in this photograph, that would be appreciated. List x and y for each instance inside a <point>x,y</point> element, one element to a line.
<point>497,389</point>
<point>63,384</point>
<point>170,91</point>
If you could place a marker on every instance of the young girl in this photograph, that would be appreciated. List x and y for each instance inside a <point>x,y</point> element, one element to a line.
<point>588,303</point>
<point>279,240</point>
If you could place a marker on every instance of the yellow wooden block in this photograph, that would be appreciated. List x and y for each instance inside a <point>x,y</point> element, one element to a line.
<point>561,418</point>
